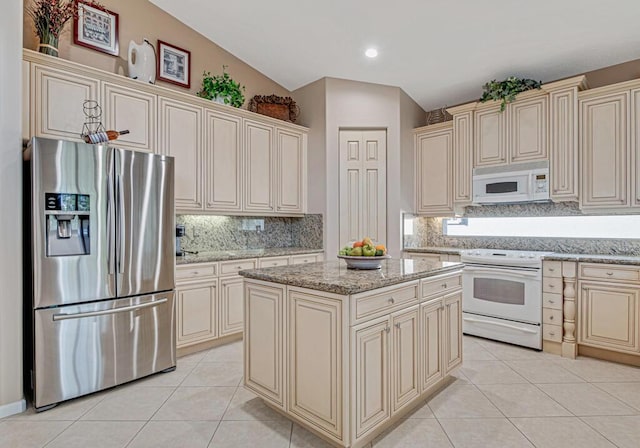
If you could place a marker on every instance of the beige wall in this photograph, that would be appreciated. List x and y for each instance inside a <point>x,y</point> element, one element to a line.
<point>140,19</point>
<point>352,104</point>
<point>11,216</point>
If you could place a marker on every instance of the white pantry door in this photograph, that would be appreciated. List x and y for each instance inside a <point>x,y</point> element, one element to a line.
<point>363,186</point>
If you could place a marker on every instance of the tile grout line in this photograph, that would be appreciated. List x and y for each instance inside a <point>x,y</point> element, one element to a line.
<point>222,416</point>
<point>597,431</point>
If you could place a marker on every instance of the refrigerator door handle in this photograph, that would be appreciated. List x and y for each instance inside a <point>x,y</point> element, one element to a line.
<point>110,211</point>
<point>121,226</point>
<point>122,309</point>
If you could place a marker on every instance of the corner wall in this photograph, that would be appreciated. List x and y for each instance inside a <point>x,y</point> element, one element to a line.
<point>11,397</point>
<point>329,105</point>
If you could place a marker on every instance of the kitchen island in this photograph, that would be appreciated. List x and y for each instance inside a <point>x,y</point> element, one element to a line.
<point>347,353</point>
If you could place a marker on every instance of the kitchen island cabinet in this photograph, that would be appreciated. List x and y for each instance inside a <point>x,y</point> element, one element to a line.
<point>347,353</point>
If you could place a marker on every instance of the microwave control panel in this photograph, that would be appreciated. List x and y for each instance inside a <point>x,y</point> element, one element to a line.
<point>541,183</point>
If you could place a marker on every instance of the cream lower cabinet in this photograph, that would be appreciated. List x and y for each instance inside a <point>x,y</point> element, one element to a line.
<point>264,341</point>
<point>353,363</point>
<point>434,170</point>
<point>196,313</point>
<point>452,331</point>
<point>231,303</point>
<point>609,307</point>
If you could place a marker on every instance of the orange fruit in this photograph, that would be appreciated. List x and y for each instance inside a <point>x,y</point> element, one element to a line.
<point>358,244</point>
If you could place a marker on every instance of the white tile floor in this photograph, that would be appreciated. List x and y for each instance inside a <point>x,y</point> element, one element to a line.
<point>504,396</point>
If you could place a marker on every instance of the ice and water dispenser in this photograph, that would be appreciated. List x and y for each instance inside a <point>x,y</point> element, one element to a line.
<point>68,224</point>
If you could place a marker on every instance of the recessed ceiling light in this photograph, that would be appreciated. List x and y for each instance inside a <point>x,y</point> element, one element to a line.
<point>371,52</point>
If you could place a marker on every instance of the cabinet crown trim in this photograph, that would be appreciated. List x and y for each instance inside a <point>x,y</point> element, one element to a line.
<point>434,127</point>
<point>577,81</point>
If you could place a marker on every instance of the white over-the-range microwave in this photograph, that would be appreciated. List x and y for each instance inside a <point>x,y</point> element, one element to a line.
<point>522,182</point>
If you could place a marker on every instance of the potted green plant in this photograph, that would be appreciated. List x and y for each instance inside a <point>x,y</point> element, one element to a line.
<point>50,17</point>
<point>222,89</point>
<point>507,90</point>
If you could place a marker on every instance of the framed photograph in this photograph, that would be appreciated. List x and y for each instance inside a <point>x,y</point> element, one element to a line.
<point>96,29</point>
<point>174,64</point>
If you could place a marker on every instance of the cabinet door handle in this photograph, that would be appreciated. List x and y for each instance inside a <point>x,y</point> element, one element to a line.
<point>444,285</point>
<point>550,317</point>
<point>551,285</point>
<point>551,269</point>
<point>195,272</point>
<point>609,273</point>
<point>387,329</point>
<point>551,333</point>
<point>398,325</point>
<point>552,301</point>
<point>392,300</point>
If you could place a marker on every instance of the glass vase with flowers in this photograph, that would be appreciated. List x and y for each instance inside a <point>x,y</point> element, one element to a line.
<point>50,17</point>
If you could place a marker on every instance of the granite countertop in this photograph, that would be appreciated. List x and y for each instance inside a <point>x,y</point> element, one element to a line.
<point>556,256</point>
<point>595,258</point>
<point>334,277</point>
<point>223,255</point>
<point>435,250</point>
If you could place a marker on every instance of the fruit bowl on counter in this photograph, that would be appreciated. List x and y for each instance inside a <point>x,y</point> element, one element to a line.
<point>364,262</point>
<point>364,255</point>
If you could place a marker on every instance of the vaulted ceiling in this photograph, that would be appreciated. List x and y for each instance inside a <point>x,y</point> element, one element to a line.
<point>439,52</point>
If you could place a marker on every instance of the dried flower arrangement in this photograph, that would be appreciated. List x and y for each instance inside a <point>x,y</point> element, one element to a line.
<point>50,17</point>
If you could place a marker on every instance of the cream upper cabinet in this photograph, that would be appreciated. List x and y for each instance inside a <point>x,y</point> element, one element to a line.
<point>196,313</point>
<point>371,375</point>
<point>605,150</point>
<point>462,153</point>
<point>228,160</point>
<point>434,169</point>
<point>131,109</point>
<point>453,331</point>
<point>608,316</point>
<point>290,178</point>
<point>223,159</point>
<point>490,135</point>
<point>57,99</point>
<point>258,161</point>
<point>528,133</point>
<point>405,381</point>
<point>563,131</point>
<point>231,305</point>
<point>181,137</point>
<point>635,145</point>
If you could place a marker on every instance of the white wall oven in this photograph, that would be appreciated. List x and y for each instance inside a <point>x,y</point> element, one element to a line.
<point>502,295</point>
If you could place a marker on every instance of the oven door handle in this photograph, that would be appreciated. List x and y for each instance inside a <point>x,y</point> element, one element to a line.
<point>499,324</point>
<point>499,271</point>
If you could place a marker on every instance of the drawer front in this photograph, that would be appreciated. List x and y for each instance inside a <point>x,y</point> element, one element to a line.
<point>552,269</point>
<point>441,285</point>
<point>372,305</point>
<point>552,300</point>
<point>551,316</point>
<point>597,271</point>
<point>273,261</point>
<point>235,266</point>
<point>552,333</point>
<point>196,271</point>
<point>302,259</point>
<point>553,285</point>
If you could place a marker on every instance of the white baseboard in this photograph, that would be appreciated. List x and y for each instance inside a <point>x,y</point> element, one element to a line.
<point>13,408</point>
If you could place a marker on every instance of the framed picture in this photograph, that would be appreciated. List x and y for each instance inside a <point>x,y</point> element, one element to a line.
<point>96,29</point>
<point>174,64</point>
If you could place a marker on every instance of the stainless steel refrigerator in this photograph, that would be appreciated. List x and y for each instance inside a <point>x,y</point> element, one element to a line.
<point>99,269</point>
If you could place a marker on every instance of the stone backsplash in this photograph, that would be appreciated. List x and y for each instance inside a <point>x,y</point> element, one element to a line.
<point>213,233</point>
<point>427,232</point>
